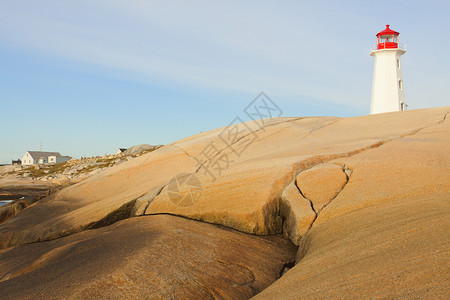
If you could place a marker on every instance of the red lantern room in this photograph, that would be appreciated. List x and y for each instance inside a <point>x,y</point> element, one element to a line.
<point>387,39</point>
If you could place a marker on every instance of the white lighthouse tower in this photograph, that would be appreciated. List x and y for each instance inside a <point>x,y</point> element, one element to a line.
<point>387,87</point>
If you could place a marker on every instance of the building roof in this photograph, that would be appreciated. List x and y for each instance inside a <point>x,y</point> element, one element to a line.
<point>387,31</point>
<point>39,154</point>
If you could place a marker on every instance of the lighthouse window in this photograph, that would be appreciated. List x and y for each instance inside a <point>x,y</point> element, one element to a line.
<point>400,85</point>
<point>398,63</point>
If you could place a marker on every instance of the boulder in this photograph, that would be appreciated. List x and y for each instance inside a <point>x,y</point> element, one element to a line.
<point>146,257</point>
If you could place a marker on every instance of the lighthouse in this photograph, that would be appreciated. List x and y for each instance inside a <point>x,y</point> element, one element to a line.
<point>387,87</point>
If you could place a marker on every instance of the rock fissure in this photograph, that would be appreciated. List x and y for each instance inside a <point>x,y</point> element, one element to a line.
<point>149,201</point>
<point>321,127</point>
<point>344,168</point>
<point>286,267</point>
<point>325,158</point>
<point>281,129</point>
<point>184,151</point>
<point>185,217</point>
<point>445,118</point>
<point>320,159</point>
<point>301,193</point>
<point>147,205</point>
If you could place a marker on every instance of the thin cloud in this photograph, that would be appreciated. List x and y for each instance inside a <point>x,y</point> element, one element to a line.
<point>244,49</point>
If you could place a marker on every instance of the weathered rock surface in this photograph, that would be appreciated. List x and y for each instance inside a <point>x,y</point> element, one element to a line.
<point>365,198</point>
<point>147,257</point>
<point>397,249</point>
<point>321,184</point>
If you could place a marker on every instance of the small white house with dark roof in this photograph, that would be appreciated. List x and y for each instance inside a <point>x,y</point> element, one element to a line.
<point>41,157</point>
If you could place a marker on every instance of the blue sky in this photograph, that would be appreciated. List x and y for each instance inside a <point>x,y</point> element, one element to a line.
<point>87,77</point>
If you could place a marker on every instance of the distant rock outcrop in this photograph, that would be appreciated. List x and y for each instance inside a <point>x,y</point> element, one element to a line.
<point>140,148</point>
<point>366,199</point>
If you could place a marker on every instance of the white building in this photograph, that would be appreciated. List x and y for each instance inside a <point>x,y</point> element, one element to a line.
<point>387,88</point>
<point>40,157</point>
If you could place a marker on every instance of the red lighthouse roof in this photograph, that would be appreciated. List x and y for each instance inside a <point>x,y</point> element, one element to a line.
<point>387,39</point>
<point>387,31</point>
